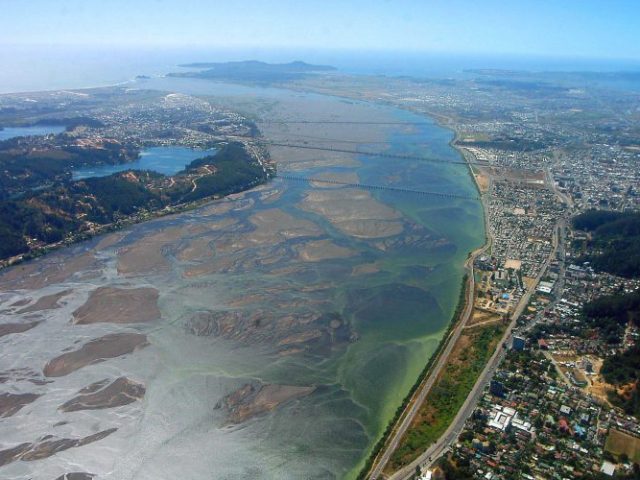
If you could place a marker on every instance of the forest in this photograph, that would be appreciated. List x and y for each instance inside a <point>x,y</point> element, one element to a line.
<point>23,168</point>
<point>69,208</point>
<point>611,314</point>
<point>614,243</point>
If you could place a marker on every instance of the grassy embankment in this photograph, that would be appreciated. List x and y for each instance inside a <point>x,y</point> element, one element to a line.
<point>467,360</point>
<point>399,412</point>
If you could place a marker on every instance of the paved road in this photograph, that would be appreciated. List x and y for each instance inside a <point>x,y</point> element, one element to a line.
<point>451,434</point>
<point>422,391</point>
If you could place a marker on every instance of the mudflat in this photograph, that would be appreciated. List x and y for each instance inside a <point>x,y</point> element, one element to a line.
<point>355,212</point>
<point>105,394</point>
<point>119,305</point>
<point>97,350</point>
<point>252,400</point>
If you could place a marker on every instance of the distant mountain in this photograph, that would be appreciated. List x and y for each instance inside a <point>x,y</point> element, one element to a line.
<point>255,65</point>
<point>253,71</point>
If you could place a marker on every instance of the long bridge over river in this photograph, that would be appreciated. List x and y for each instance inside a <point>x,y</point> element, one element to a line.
<point>367,186</point>
<point>372,154</point>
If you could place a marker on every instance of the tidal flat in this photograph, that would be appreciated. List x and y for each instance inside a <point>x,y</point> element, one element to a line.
<point>270,335</point>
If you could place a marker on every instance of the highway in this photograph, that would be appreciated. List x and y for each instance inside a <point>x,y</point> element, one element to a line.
<point>451,434</point>
<point>428,457</point>
<point>422,391</point>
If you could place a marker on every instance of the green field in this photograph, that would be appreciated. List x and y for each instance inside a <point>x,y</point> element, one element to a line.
<point>619,442</point>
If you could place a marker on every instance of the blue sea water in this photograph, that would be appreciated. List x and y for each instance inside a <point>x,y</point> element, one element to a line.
<point>33,68</point>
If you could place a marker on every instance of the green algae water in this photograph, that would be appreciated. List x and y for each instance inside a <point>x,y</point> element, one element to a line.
<point>343,291</point>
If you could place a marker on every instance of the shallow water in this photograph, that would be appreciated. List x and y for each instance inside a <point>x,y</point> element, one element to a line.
<point>342,289</point>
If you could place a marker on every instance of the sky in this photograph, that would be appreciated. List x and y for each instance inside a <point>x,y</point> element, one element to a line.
<point>580,28</point>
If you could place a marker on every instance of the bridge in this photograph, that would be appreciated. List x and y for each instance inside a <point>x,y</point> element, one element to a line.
<point>372,154</point>
<point>367,186</point>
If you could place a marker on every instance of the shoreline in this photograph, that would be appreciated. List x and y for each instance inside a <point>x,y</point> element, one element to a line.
<point>372,468</point>
<point>115,227</point>
<point>69,89</point>
<point>457,315</point>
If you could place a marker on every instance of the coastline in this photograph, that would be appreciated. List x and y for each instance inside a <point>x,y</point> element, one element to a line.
<point>464,310</point>
<point>67,89</point>
<point>455,317</point>
<point>114,227</point>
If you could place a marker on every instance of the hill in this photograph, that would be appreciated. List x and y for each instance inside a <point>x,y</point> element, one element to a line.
<point>252,71</point>
<point>614,243</point>
<point>72,210</point>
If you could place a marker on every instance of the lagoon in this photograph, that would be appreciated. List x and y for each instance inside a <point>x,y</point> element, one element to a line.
<point>165,160</point>
<point>12,132</point>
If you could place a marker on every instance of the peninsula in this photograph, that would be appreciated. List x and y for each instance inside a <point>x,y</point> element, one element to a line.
<point>43,205</point>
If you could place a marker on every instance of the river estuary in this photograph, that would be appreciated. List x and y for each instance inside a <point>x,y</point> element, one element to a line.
<point>269,335</point>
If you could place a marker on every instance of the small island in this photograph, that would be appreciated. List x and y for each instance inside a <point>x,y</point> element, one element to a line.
<point>253,71</point>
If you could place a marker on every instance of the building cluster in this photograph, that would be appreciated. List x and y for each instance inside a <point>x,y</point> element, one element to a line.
<point>522,220</point>
<point>174,119</point>
<point>600,176</point>
<point>530,424</point>
<point>546,412</point>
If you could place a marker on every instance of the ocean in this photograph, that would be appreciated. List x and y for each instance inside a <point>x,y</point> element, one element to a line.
<point>37,68</point>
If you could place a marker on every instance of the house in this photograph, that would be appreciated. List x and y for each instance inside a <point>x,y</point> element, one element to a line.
<point>608,468</point>
<point>518,343</point>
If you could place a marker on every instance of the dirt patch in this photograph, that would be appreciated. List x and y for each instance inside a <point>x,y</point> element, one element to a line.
<point>319,250</point>
<point>275,225</point>
<point>98,350</point>
<point>146,255</point>
<point>9,328</point>
<point>105,394</point>
<point>47,302</point>
<point>46,271</point>
<point>11,403</point>
<point>119,305</point>
<point>48,446</point>
<point>355,212</point>
<point>482,180</point>
<point>365,269</point>
<point>323,180</point>
<point>252,400</point>
<point>529,282</point>
<point>480,317</point>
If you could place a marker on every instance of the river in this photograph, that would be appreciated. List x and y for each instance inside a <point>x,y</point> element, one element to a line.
<point>341,291</point>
